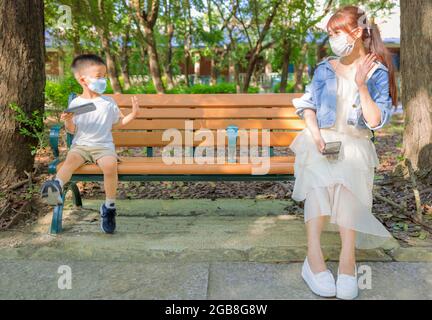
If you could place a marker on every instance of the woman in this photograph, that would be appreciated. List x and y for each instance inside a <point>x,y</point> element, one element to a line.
<point>350,96</point>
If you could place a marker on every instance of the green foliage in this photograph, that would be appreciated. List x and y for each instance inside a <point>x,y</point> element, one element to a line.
<point>148,88</point>
<point>400,158</point>
<point>227,31</point>
<point>31,126</point>
<point>196,89</point>
<point>372,7</point>
<point>30,192</point>
<point>289,87</point>
<point>57,93</point>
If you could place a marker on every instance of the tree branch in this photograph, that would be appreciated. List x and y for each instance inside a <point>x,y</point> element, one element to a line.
<point>153,15</point>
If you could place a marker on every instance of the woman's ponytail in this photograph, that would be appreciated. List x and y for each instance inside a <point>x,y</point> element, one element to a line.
<point>374,44</point>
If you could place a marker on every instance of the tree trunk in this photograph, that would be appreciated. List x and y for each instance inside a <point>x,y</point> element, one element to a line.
<point>187,59</point>
<point>61,62</point>
<point>143,59</point>
<point>285,66</point>
<point>111,63</point>
<point>147,39</point>
<point>299,71</point>
<point>22,74</point>
<point>213,71</point>
<point>76,27</point>
<point>77,50</point>
<point>256,77</point>
<point>154,60</point>
<point>234,65</point>
<point>124,59</point>
<point>416,57</point>
<point>215,54</point>
<point>259,48</point>
<point>125,71</point>
<point>237,80</point>
<point>76,41</point>
<point>249,72</point>
<point>300,68</point>
<point>188,40</point>
<point>168,67</point>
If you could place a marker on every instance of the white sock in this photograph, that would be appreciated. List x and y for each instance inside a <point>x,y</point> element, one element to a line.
<point>59,181</point>
<point>110,203</point>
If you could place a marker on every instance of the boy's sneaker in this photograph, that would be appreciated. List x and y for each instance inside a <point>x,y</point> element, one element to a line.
<point>108,221</point>
<point>51,193</point>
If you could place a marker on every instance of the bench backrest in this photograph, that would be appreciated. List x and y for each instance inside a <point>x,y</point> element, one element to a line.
<point>210,111</point>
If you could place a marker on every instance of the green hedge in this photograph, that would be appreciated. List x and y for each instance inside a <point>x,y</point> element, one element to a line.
<point>289,88</point>
<point>57,93</point>
<point>196,89</point>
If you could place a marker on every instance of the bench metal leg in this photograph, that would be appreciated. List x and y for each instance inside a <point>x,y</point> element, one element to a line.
<point>76,196</point>
<point>56,224</point>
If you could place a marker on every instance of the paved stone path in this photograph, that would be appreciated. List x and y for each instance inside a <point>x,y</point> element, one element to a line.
<point>216,280</point>
<point>190,249</point>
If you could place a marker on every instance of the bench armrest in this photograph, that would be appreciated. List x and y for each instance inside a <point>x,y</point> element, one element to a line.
<point>54,139</point>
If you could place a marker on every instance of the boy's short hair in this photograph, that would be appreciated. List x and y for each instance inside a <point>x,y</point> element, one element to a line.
<point>85,61</point>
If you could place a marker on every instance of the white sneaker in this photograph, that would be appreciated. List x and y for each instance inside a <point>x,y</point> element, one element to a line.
<point>347,286</point>
<point>322,284</point>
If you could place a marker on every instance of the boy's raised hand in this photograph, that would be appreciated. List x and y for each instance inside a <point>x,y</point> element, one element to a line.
<point>131,116</point>
<point>67,119</point>
<point>135,106</point>
<point>66,116</point>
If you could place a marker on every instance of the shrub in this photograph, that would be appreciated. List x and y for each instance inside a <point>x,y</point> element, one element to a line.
<point>31,126</point>
<point>57,93</point>
<point>196,89</point>
<point>148,88</point>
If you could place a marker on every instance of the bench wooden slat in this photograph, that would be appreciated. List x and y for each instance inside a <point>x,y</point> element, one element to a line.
<point>154,139</point>
<point>208,100</point>
<point>139,165</point>
<point>291,124</point>
<point>215,113</point>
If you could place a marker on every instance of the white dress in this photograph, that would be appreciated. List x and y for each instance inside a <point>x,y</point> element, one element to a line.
<point>340,189</point>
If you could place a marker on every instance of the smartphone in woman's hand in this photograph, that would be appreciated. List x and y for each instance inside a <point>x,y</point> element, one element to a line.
<point>332,148</point>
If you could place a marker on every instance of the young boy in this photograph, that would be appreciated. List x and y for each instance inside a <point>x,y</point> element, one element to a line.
<point>93,141</point>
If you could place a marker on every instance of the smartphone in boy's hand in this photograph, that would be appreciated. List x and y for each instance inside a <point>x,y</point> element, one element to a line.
<point>85,108</point>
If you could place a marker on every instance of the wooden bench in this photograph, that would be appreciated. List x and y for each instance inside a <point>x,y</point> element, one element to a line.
<point>214,112</point>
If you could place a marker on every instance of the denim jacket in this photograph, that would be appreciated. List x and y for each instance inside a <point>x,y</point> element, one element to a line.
<point>320,96</point>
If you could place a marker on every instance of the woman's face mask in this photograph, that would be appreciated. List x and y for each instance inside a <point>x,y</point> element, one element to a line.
<point>97,85</point>
<point>340,45</point>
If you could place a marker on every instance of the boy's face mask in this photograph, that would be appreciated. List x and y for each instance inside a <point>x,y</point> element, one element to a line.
<point>97,85</point>
<point>341,46</point>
